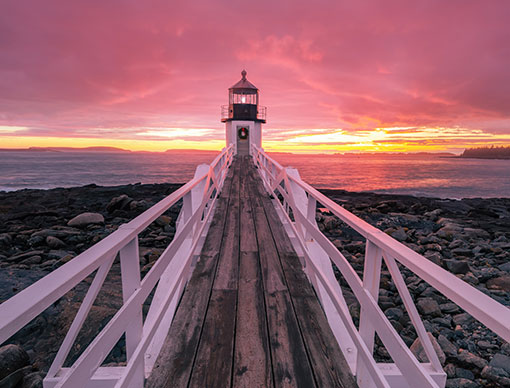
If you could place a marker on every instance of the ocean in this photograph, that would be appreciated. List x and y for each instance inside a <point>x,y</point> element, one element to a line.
<point>419,175</point>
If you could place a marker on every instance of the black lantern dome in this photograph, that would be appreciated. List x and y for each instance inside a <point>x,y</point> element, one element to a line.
<point>243,102</point>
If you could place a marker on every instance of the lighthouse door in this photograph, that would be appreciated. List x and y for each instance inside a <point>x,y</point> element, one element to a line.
<point>243,141</point>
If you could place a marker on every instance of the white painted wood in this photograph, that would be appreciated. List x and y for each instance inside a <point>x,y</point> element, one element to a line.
<point>371,281</point>
<point>130,272</point>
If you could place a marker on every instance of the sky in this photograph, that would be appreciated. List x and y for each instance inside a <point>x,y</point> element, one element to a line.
<point>336,76</point>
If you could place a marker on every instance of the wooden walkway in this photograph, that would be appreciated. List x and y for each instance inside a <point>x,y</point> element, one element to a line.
<point>248,316</point>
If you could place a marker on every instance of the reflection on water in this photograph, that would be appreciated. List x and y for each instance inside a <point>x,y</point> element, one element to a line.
<point>416,175</point>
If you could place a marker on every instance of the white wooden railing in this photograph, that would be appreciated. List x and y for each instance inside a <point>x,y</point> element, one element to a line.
<point>144,338</point>
<point>296,203</point>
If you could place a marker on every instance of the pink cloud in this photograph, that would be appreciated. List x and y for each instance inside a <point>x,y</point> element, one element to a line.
<point>81,68</point>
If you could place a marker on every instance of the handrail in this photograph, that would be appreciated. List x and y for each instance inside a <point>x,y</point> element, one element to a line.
<point>198,196</point>
<point>292,193</point>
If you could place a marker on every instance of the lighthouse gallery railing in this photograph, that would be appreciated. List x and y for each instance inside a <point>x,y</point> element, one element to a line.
<point>297,202</point>
<point>170,272</point>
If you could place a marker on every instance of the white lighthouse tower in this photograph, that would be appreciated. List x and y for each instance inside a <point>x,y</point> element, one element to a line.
<point>243,117</point>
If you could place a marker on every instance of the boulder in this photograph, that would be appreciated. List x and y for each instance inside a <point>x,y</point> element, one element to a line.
<point>496,375</point>
<point>25,255</point>
<point>399,234</point>
<point>12,358</point>
<point>85,219</point>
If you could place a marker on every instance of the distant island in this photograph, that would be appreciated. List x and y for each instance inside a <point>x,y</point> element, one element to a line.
<point>487,153</point>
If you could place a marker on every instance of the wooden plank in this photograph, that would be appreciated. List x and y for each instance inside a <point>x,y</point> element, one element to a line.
<point>290,363</point>
<point>213,365</point>
<point>214,359</point>
<point>252,360</point>
<point>175,361</point>
<point>329,366</point>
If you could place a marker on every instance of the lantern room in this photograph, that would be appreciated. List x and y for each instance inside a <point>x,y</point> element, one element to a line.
<point>243,116</point>
<point>243,102</point>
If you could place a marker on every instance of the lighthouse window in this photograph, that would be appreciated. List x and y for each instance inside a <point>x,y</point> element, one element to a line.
<point>239,98</point>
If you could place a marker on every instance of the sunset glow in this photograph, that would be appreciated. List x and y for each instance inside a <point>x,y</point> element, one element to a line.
<point>394,76</point>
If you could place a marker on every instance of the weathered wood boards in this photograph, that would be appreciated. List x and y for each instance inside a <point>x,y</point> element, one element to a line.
<point>249,317</point>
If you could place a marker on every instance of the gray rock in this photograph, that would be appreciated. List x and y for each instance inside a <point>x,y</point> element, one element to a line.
<point>449,349</point>
<point>54,242</point>
<point>33,380</point>
<point>434,256</point>
<point>428,306</point>
<point>501,361</point>
<point>399,234</point>
<point>394,313</point>
<point>462,319</point>
<point>499,283</point>
<point>85,219</point>
<point>449,308</point>
<point>476,233</point>
<point>122,202</point>
<point>496,375</point>
<point>32,260</point>
<point>464,373</point>
<point>462,252</point>
<point>5,239</point>
<point>457,266</point>
<point>505,267</point>
<point>12,358</point>
<point>471,360</point>
<point>456,244</point>
<point>418,350</point>
<point>25,255</point>
<point>461,383</point>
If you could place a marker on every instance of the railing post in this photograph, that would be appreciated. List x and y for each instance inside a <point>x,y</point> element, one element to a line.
<point>371,281</point>
<point>307,207</point>
<point>191,202</point>
<point>130,271</point>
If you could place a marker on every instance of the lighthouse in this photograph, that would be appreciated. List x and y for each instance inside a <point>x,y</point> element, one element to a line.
<point>243,116</point>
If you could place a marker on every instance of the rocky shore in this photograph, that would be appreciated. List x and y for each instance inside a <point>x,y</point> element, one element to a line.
<point>41,230</point>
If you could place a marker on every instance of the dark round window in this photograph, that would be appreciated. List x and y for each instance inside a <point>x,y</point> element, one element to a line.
<point>243,133</point>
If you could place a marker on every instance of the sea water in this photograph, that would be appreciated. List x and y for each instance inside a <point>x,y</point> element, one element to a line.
<point>419,175</point>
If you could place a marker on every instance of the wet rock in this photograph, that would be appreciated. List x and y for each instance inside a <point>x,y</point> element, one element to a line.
<point>54,242</point>
<point>497,375</point>
<point>12,358</point>
<point>501,361</point>
<point>462,319</point>
<point>32,260</point>
<point>25,255</point>
<point>5,239</point>
<point>394,313</point>
<point>499,283</point>
<point>33,380</point>
<point>464,373</point>
<point>163,220</point>
<point>461,383</point>
<point>418,350</point>
<point>85,219</point>
<point>457,266</point>
<point>505,267</point>
<point>449,349</point>
<point>399,234</point>
<point>434,256</point>
<point>122,202</point>
<point>428,306</point>
<point>469,359</point>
